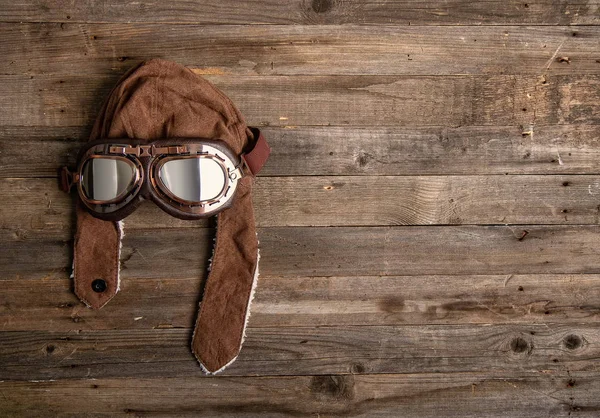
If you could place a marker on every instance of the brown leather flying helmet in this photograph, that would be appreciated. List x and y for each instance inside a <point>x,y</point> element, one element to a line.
<point>167,135</point>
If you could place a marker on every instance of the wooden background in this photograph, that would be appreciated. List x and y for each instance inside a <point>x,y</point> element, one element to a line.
<point>429,217</point>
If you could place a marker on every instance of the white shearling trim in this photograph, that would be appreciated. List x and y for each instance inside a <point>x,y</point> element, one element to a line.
<point>121,233</point>
<point>212,256</point>
<point>254,284</point>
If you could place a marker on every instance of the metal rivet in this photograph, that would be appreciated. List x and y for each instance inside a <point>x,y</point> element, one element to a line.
<point>99,286</point>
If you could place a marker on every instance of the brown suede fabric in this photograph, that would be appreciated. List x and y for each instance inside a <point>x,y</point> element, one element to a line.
<point>97,244</point>
<point>220,327</point>
<point>159,100</point>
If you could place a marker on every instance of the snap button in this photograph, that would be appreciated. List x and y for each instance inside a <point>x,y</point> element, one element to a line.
<point>99,286</point>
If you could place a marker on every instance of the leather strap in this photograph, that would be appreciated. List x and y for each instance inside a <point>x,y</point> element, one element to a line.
<point>255,159</point>
<point>225,304</point>
<point>96,260</point>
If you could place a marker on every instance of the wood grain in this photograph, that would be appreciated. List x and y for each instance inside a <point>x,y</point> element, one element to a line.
<point>522,395</point>
<point>49,303</point>
<point>498,100</point>
<point>413,12</point>
<point>38,355</point>
<point>52,48</point>
<point>323,251</point>
<point>431,200</point>
<point>350,201</point>
<point>429,219</point>
<point>322,151</point>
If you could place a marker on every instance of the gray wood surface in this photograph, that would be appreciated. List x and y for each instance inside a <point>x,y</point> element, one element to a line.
<point>520,395</point>
<point>351,150</point>
<point>369,100</point>
<point>306,351</point>
<point>352,201</point>
<point>325,251</point>
<point>429,219</point>
<point>49,303</point>
<point>400,12</point>
<point>57,100</point>
<point>296,50</point>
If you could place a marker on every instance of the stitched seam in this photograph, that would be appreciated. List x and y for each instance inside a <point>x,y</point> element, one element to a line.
<point>117,253</point>
<point>230,107</point>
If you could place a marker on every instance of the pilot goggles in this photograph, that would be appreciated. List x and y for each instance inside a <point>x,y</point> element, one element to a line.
<point>188,178</point>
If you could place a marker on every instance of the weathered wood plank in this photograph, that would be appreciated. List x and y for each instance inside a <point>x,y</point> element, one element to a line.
<point>382,200</point>
<point>42,355</point>
<point>315,151</point>
<point>351,201</point>
<point>412,12</point>
<point>520,395</point>
<point>413,151</point>
<point>322,251</point>
<point>67,49</point>
<point>499,100</point>
<point>49,303</point>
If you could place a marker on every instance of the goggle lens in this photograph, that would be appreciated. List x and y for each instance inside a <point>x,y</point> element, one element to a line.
<point>195,180</point>
<point>105,179</point>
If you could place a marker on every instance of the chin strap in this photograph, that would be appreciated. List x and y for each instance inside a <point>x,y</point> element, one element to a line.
<point>225,304</point>
<point>97,251</point>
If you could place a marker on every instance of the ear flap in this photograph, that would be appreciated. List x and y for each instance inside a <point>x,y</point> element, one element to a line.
<point>225,305</point>
<point>97,248</point>
<point>96,259</point>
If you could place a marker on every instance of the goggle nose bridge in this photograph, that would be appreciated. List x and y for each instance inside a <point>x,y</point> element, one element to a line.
<point>150,150</point>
